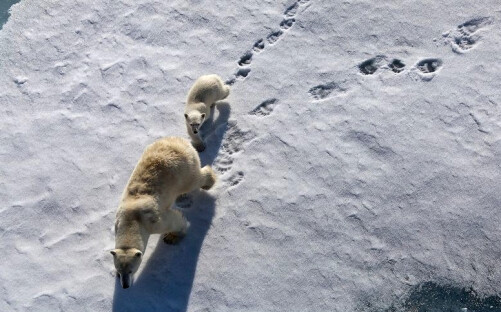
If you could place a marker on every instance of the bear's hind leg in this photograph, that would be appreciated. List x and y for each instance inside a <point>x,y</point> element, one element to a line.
<point>177,226</point>
<point>208,177</point>
<point>226,91</point>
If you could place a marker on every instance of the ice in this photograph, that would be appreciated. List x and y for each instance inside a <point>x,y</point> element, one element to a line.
<point>4,10</point>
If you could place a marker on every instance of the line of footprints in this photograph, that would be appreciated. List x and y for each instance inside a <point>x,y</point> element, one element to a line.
<point>289,19</point>
<point>234,141</point>
<point>461,39</point>
<point>425,66</point>
<point>235,138</point>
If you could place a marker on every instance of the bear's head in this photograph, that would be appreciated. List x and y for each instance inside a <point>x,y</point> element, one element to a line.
<point>194,119</point>
<point>127,262</point>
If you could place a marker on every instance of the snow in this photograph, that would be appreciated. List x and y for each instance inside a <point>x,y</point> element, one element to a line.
<point>343,185</point>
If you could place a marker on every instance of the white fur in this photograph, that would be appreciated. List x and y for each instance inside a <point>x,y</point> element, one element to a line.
<point>168,168</point>
<point>204,93</point>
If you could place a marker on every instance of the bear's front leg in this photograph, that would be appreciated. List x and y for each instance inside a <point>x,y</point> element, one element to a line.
<point>172,238</point>
<point>196,141</point>
<point>177,226</point>
<point>200,147</point>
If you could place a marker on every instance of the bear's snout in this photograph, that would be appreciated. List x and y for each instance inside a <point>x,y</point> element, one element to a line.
<point>125,280</point>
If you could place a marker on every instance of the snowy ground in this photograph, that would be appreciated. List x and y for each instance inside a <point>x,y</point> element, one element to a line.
<point>358,153</point>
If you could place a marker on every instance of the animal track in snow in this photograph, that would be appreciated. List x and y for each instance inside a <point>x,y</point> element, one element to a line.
<point>428,68</point>
<point>236,178</point>
<point>246,59</point>
<point>370,66</point>
<point>233,142</point>
<point>287,23</point>
<point>239,75</point>
<point>464,37</point>
<point>223,163</point>
<point>464,43</point>
<point>292,10</point>
<point>474,25</point>
<point>242,72</point>
<point>258,45</point>
<point>274,36</point>
<point>397,66</point>
<point>265,108</point>
<point>321,92</point>
<point>231,81</point>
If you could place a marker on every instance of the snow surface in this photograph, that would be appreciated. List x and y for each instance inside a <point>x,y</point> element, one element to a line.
<point>347,182</point>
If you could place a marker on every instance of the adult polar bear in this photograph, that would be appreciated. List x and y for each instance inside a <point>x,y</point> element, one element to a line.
<point>168,168</point>
<point>203,94</point>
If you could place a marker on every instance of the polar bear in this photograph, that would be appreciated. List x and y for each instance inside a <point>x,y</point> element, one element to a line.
<point>206,90</point>
<point>168,168</point>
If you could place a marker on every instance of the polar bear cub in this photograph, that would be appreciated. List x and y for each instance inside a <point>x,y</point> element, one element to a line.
<point>168,168</point>
<point>202,96</point>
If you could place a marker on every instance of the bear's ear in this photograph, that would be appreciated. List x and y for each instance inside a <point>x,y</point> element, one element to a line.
<point>138,254</point>
<point>113,252</point>
<point>203,116</point>
<point>186,116</point>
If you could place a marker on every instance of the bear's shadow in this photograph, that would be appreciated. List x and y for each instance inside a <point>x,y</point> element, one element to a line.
<point>166,279</point>
<point>213,132</point>
<point>165,282</point>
